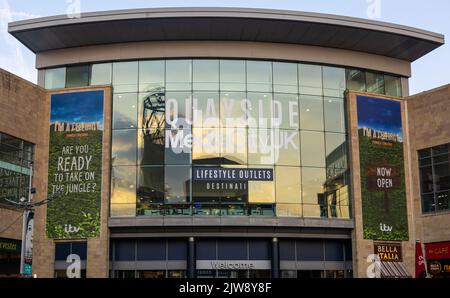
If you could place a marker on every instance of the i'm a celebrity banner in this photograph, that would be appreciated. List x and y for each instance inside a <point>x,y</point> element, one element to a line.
<point>382,169</point>
<point>75,165</point>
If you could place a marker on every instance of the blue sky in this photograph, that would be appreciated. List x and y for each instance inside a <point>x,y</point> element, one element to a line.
<point>428,72</point>
<point>77,107</point>
<point>378,114</point>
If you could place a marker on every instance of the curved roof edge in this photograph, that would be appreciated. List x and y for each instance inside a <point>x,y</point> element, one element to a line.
<point>191,23</point>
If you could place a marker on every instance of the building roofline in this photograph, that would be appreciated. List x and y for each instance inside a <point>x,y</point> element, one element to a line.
<point>33,26</point>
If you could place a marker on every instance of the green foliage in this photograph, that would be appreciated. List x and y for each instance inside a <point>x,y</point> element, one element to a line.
<point>81,210</point>
<point>373,202</point>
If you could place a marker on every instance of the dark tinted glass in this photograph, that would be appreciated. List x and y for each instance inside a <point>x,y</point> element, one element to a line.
<point>310,250</point>
<point>205,250</point>
<point>151,250</point>
<point>77,76</point>
<point>259,250</point>
<point>232,250</point>
<point>124,250</point>
<point>177,250</point>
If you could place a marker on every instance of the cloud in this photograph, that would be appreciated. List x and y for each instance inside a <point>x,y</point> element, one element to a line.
<point>12,57</point>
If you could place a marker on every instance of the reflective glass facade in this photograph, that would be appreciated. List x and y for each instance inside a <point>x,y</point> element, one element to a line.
<point>172,115</point>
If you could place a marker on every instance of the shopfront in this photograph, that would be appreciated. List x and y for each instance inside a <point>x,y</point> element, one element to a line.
<point>438,259</point>
<point>9,257</point>
<point>231,258</point>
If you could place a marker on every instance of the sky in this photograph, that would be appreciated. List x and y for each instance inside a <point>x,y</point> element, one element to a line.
<point>381,115</point>
<point>77,107</point>
<point>428,72</point>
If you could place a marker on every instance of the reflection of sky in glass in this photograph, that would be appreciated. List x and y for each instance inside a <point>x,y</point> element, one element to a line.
<point>77,107</point>
<point>379,114</point>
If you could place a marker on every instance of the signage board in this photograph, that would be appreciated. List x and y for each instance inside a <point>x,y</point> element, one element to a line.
<point>75,164</point>
<point>383,191</point>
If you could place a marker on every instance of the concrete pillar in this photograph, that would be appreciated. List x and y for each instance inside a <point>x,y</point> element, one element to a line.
<point>275,259</point>
<point>191,258</point>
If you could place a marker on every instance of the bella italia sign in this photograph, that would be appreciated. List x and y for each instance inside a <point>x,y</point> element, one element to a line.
<point>75,165</point>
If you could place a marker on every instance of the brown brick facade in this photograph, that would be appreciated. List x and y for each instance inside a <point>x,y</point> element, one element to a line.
<point>429,124</point>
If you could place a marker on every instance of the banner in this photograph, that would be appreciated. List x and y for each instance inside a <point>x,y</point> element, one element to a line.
<point>27,258</point>
<point>420,262</point>
<point>75,165</point>
<point>382,169</point>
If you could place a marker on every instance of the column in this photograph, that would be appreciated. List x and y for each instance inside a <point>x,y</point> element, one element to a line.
<point>275,259</point>
<point>191,258</point>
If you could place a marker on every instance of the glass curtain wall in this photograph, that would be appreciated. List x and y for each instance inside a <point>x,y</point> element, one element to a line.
<point>170,116</point>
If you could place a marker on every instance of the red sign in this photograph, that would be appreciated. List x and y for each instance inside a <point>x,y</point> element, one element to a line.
<point>420,262</point>
<point>436,251</point>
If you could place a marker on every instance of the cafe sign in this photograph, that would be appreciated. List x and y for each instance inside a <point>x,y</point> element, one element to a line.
<point>389,252</point>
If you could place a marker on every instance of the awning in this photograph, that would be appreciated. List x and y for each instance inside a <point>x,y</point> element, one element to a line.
<point>394,270</point>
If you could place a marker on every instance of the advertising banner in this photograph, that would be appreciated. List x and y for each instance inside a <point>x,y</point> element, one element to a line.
<point>75,165</point>
<point>382,169</point>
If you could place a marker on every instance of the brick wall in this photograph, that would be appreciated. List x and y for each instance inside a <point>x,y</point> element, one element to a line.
<point>429,126</point>
<point>21,103</point>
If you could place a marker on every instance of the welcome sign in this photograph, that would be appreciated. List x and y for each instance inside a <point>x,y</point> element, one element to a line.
<point>75,165</point>
<point>383,191</point>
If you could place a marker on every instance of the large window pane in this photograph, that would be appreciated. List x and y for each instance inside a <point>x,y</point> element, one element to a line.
<point>123,185</point>
<point>393,85</point>
<point>310,79</point>
<point>178,75</point>
<point>311,112</point>
<point>356,80</point>
<point>288,183</point>
<point>123,210</point>
<point>285,111</point>
<point>442,176</point>
<point>287,147</point>
<point>124,110</point>
<point>232,109</point>
<point>259,76</point>
<point>77,76</point>
<point>261,150</point>
<point>206,109</point>
<point>124,147</point>
<point>151,75</point>
<point>206,74</point>
<point>101,74</point>
<point>206,146</point>
<point>55,78</point>
<point>178,110</point>
<point>152,109</point>
<point>261,191</point>
<point>150,185</point>
<point>375,82</point>
<point>333,81</point>
<point>125,76</point>
<point>426,177</point>
<point>313,149</point>
<point>285,77</point>
<point>177,184</point>
<point>123,191</point>
<point>151,143</point>
<point>334,114</point>
<point>289,210</point>
<point>178,146</point>
<point>260,109</point>
<point>232,75</point>
<point>234,146</point>
<point>313,183</point>
<point>336,151</point>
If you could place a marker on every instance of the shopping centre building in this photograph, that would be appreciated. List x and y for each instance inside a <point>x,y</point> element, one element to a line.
<point>223,142</point>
